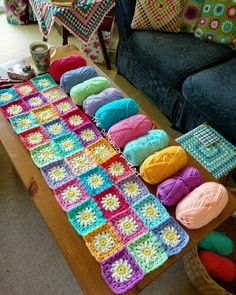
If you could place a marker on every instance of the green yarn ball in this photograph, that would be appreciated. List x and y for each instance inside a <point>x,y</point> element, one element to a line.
<point>217,243</point>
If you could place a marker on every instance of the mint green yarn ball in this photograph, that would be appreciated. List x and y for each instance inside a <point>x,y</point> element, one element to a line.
<point>136,151</point>
<point>217,243</point>
<point>81,91</point>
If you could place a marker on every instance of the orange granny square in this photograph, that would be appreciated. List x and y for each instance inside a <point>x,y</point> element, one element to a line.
<point>45,114</point>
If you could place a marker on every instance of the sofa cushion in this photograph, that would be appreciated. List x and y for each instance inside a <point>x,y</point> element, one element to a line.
<point>213,93</point>
<point>175,56</point>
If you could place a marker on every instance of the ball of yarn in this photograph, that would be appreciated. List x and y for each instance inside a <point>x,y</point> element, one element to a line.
<point>114,111</point>
<point>172,190</point>
<point>218,267</point>
<point>137,150</point>
<point>163,164</point>
<point>94,102</point>
<point>65,64</point>
<point>80,92</point>
<point>217,243</point>
<point>202,205</point>
<point>74,77</point>
<point>129,129</point>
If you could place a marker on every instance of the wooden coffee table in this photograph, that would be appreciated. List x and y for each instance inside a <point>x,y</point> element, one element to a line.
<point>82,263</point>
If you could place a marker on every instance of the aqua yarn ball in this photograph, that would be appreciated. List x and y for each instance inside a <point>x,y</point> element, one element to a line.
<point>74,77</point>
<point>217,243</point>
<point>115,111</point>
<point>137,150</point>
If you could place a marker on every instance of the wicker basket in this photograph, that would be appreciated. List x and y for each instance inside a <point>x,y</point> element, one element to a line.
<point>199,276</point>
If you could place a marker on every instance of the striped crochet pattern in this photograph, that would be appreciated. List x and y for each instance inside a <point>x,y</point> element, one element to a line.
<point>55,128</point>
<point>43,82</point>
<point>23,122</point>
<point>74,119</point>
<point>35,100</point>
<point>88,134</point>
<point>7,95</point>
<point>14,108</point>
<point>34,137</point>
<point>67,144</point>
<point>64,105</point>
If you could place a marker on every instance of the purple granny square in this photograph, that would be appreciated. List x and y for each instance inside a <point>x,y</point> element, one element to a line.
<point>35,100</point>
<point>88,134</point>
<point>56,173</point>
<point>121,272</point>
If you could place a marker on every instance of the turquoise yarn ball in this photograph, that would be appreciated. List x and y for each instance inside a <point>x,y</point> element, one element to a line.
<point>136,151</point>
<point>114,111</point>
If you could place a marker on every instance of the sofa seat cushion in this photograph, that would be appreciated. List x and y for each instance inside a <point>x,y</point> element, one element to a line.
<point>213,93</point>
<point>175,56</point>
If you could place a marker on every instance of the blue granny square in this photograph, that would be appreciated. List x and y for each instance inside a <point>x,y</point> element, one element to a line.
<point>43,82</point>
<point>95,180</point>
<point>85,217</point>
<point>55,128</point>
<point>171,236</point>
<point>151,211</point>
<point>7,95</point>
<point>67,144</point>
<point>23,122</point>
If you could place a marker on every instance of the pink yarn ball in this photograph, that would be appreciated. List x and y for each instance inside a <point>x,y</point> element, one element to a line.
<point>172,190</point>
<point>202,205</point>
<point>129,129</point>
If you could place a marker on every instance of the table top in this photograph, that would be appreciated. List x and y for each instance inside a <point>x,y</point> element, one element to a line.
<point>82,263</point>
<point>82,19</point>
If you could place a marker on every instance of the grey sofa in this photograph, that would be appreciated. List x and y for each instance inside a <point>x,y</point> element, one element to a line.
<point>190,80</point>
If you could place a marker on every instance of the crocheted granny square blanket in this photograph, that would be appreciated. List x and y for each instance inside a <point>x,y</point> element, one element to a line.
<point>43,82</point>
<point>35,100</point>
<point>87,134</point>
<point>45,114</point>
<point>54,93</point>
<point>64,105</point>
<point>75,119</point>
<point>55,128</point>
<point>7,95</point>
<point>23,122</point>
<point>14,108</point>
<point>67,144</point>
<point>34,137</point>
<point>25,88</point>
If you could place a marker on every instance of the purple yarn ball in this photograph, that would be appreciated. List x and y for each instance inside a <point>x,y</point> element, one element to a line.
<point>172,190</point>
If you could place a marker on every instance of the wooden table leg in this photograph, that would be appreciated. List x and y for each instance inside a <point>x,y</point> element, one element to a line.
<point>65,35</point>
<point>104,50</point>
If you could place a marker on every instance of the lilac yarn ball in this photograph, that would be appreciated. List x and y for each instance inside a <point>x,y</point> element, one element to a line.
<point>172,190</point>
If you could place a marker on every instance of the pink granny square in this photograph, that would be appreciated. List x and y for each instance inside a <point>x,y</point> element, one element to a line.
<point>14,108</point>
<point>25,88</point>
<point>54,93</point>
<point>64,105</point>
<point>33,137</point>
<point>75,119</point>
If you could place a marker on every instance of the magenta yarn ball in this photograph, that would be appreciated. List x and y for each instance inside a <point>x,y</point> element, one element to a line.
<point>174,189</point>
<point>129,129</point>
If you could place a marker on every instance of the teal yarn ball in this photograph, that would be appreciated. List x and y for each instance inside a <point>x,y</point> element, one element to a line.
<point>115,111</point>
<point>80,92</point>
<point>136,151</point>
<point>217,243</point>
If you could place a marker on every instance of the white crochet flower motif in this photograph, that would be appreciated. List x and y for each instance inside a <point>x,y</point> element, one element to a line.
<point>80,162</point>
<point>5,97</point>
<point>101,151</point>
<point>110,202</point>
<point>64,106</point>
<point>67,145</point>
<point>55,128</point>
<point>57,173</point>
<point>35,137</point>
<point>116,169</point>
<point>14,109</point>
<point>45,114</point>
<point>25,89</point>
<point>103,242</point>
<point>121,270</point>
<point>127,225</point>
<point>95,180</point>
<point>131,189</point>
<point>150,210</point>
<point>146,251</point>
<point>87,134</point>
<point>45,154</point>
<point>43,82</point>
<point>75,120</point>
<point>23,123</point>
<point>52,94</point>
<point>35,101</point>
<point>170,236</point>
<point>86,217</point>
<point>71,193</point>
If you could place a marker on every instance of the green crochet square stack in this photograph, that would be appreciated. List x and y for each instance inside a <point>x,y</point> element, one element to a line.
<point>190,15</point>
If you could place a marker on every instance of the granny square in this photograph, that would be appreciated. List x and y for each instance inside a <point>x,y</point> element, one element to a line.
<point>101,150</point>
<point>45,154</point>
<point>88,134</point>
<point>171,236</point>
<point>147,252</point>
<point>67,144</point>
<point>34,137</point>
<point>95,180</point>
<point>111,202</point>
<point>85,217</point>
<point>75,119</point>
<point>151,211</point>
<point>45,114</point>
<point>55,128</point>
<point>127,225</point>
<point>43,82</point>
<point>23,122</point>
<point>80,162</point>
<point>64,105</point>
<point>56,173</point>
<point>25,88</point>
<point>14,108</point>
<point>54,93</point>
<point>117,167</point>
<point>7,95</point>
<point>102,242</point>
<point>70,194</point>
<point>121,272</point>
<point>35,100</point>
<point>132,188</point>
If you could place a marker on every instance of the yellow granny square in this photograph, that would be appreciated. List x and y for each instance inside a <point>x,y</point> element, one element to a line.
<point>45,114</point>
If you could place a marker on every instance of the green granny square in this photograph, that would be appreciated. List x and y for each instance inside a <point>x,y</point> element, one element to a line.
<point>67,144</point>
